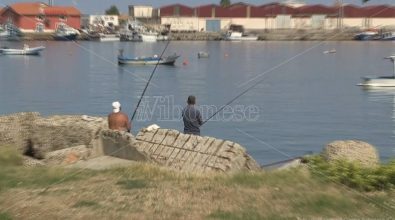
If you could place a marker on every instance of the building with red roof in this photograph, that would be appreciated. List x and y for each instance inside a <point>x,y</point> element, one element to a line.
<point>40,17</point>
<point>213,17</point>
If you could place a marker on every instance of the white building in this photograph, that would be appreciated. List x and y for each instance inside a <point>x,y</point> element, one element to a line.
<point>142,11</point>
<point>100,20</point>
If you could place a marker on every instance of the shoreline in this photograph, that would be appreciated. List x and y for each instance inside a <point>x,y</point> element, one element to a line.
<point>273,35</point>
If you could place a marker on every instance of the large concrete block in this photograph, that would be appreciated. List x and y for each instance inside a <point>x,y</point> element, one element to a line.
<point>193,153</point>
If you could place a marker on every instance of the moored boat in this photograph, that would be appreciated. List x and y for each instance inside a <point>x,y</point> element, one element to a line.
<point>65,33</point>
<point>239,36</point>
<point>367,35</point>
<point>169,60</point>
<point>381,81</point>
<point>202,54</point>
<point>25,51</point>
<point>388,36</point>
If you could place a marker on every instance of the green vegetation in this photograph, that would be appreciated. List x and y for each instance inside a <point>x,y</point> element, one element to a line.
<point>113,10</point>
<point>5,216</point>
<point>354,175</point>
<point>9,157</point>
<point>146,191</point>
<point>244,215</point>
<point>225,3</point>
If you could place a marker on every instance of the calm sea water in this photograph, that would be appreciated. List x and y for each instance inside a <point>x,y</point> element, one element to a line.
<point>306,98</point>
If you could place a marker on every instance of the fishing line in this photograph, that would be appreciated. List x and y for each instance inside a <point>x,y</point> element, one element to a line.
<point>234,99</point>
<point>149,80</point>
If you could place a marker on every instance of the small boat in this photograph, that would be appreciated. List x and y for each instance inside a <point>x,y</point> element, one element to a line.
<point>239,36</point>
<point>202,54</point>
<point>329,51</point>
<point>65,33</point>
<point>367,35</point>
<point>169,60</point>
<point>25,51</point>
<point>381,81</point>
<point>387,36</point>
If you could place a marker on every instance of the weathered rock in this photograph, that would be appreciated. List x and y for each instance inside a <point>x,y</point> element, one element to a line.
<point>192,153</point>
<point>60,132</point>
<point>31,162</point>
<point>16,129</point>
<point>68,155</point>
<point>351,150</point>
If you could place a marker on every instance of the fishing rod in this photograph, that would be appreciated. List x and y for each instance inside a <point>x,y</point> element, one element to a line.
<point>149,80</point>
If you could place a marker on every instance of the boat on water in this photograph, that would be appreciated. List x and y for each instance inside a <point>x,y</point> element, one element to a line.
<point>169,60</point>
<point>26,50</point>
<point>108,37</point>
<point>367,35</point>
<point>237,33</point>
<point>381,81</point>
<point>387,36</point>
<point>65,33</point>
<point>329,51</point>
<point>239,36</point>
<point>202,54</point>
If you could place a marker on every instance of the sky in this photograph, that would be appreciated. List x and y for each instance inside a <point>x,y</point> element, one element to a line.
<point>99,6</point>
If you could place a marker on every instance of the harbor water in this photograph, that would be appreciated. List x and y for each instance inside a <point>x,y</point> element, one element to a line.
<point>305,98</point>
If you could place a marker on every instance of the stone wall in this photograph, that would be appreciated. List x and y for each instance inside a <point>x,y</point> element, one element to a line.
<point>59,132</point>
<point>48,133</point>
<point>16,129</point>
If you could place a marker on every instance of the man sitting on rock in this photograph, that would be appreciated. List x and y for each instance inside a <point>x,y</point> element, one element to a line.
<point>191,117</point>
<point>118,120</point>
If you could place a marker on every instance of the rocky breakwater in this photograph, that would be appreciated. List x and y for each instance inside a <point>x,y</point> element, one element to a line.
<point>65,139</point>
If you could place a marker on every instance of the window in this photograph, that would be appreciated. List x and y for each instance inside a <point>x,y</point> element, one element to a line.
<point>40,17</point>
<point>62,17</point>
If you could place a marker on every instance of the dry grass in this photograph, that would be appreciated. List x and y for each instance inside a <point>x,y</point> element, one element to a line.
<point>146,192</point>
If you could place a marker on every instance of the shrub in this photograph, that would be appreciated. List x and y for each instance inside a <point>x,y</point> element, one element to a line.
<point>353,174</point>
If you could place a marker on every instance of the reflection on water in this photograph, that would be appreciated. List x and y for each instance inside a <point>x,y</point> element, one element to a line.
<point>383,95</point>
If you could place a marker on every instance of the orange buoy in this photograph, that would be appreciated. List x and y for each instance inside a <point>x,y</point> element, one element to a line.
<point>185,62</point>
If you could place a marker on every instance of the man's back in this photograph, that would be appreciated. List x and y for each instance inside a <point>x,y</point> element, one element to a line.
<point>192,120</point>
<point>119,121</point>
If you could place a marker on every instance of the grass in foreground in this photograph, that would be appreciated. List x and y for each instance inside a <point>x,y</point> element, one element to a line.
<point>147,192</point>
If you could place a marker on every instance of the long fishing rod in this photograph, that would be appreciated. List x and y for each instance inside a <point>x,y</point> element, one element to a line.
<point>149,80</point>
<point>234,99</point>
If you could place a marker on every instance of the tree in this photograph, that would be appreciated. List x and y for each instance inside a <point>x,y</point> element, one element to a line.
<point>113,10</point>
<point>364,1</point>
<point>225,3</point>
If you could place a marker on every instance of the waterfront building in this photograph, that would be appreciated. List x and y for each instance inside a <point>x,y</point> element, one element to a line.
<point>39,17</point>
<point>143,11</point>
<point>100,21</point>
<point>215,18</point>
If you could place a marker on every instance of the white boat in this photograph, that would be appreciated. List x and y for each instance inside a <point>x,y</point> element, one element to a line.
<point>202,54</point>
<point>239,36</point>
<point>66,33</point>
<point>329,51</point>
<point>148,36</point>
<point>388,36</point>
<point>381,81</point>
<point>4,35</point>
<point>25,51</point>
<point>108,37</point>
